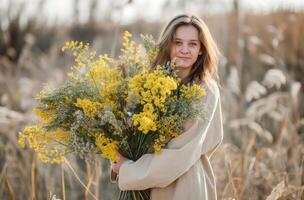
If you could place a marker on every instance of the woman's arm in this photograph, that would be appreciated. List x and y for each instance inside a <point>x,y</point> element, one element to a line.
<point>160,170</point>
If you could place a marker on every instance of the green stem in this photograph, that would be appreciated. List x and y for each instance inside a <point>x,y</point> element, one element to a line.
<point>140,143</point>
<point>141,196</point>
<point>134,195</point>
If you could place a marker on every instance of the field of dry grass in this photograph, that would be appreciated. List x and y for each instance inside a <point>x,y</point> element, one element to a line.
<point>262,156</point>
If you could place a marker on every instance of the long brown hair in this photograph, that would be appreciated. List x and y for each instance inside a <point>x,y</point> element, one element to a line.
<point>205,67</point>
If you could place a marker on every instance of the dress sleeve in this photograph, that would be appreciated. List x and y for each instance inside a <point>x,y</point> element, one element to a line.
<point>152,170</point>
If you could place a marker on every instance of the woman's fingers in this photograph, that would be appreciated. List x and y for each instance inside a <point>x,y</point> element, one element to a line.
<point>116,165</point>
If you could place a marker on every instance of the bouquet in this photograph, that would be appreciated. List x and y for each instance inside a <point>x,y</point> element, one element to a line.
<point>107,105</point>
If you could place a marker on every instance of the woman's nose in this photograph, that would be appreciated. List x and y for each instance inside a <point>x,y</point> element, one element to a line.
<point>184,49</point>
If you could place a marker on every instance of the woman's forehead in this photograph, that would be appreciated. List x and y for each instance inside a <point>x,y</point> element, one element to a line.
<point>186,32</point>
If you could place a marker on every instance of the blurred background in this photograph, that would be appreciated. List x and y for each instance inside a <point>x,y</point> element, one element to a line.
<point>261,72</point>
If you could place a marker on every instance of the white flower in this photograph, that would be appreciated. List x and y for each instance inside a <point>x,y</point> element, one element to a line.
<point>233,81</point>
<point>295,89</point>
<point>274,77</point>
<point>267,59</point>
<point>254,91</point>
<point>255,40</point>
<point>261,131</point>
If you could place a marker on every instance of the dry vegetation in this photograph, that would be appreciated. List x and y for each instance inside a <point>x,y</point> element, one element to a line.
<point>262,154</point>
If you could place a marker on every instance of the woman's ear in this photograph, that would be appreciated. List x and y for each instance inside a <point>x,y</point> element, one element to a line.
<point>200,53</point>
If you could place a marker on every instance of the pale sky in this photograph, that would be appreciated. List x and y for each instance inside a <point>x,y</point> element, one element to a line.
<point>62,10</point>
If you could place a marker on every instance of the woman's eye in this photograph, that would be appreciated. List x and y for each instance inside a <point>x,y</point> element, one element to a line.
<point>178,42</point>
<point>192,44</point>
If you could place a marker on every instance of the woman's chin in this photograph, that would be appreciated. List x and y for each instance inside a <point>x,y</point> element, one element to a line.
<point>182,66</point>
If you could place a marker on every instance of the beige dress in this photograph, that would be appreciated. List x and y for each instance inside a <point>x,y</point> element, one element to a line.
<point>182,171</point>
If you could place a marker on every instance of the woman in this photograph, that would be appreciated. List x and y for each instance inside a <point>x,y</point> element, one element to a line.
<point>183,171</point>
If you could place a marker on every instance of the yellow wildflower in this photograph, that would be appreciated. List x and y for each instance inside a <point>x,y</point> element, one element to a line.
<point>153,87</point>
<point>166,126</point>
<point>193,90</point>
<point>89,107</point>
<point>43,143</point>
<point>159,143</point>
<point>75,45</point>
<point>45,115</point>
<point>108,147</point>
<point>146,121</point>
<point>151,55</point>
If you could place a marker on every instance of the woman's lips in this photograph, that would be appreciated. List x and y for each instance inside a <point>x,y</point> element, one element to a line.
<point>183,58</point>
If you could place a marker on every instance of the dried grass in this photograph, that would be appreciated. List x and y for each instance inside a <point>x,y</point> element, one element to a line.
<point>262,156</point>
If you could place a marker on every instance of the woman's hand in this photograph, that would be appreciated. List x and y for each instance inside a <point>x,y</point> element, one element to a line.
<point>115,166</point>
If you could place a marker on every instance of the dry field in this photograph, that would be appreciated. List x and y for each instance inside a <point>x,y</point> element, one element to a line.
<point>262,156</point>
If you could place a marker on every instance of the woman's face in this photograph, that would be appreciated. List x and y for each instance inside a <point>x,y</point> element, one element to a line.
<point>185,47</point>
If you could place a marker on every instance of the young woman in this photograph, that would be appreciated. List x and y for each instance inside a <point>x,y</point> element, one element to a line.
<point>182,170</point>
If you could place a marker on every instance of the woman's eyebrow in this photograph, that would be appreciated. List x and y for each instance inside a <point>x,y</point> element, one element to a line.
<point>194,40</point>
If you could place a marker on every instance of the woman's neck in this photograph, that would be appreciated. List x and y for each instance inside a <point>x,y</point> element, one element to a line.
<point>183,72</point>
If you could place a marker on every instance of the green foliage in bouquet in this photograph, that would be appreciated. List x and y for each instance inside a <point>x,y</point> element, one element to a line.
<point>108,105</point>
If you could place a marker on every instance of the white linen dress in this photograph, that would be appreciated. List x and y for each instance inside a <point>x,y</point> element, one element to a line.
<point>182,171</point>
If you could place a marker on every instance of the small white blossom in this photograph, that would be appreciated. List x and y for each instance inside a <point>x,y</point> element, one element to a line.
<point>267,59</point>
<point>274,77</point>
<point>233,80</point>
<point>254,91</point>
